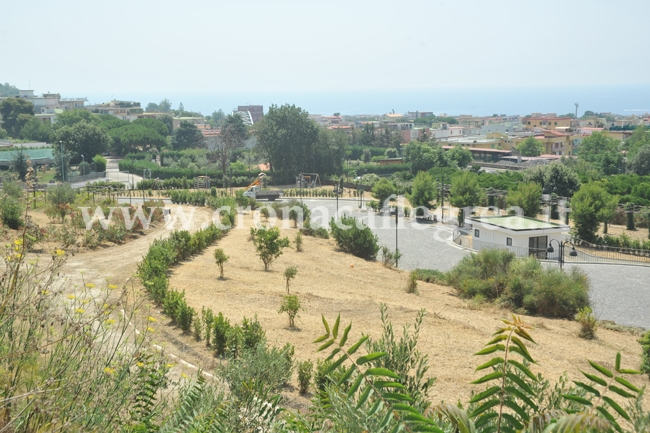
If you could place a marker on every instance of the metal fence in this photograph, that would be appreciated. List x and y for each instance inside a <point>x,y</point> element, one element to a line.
<point>81,178</point>
<point>585,252</point>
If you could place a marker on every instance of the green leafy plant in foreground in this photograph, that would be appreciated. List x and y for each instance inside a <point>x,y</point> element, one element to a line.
<point>381,402</point>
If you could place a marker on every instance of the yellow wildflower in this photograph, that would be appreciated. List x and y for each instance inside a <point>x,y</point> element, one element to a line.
<point>59,252</point>
<point>184,376</point>
<point>152,319</point>
<point>140,364</point>
<point>71,296</point>
<point>80,310</point>
<point>170,365</point>
<point>105,306</point>
<point>112,286</point>
<point>150,329</point>
<point>45,292</point>
<point>85,301</point>
<point>90,285</point>
<point>109,370</point>
<point>109,322</point>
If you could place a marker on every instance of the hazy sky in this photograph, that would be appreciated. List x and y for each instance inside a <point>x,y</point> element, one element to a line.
<point>118,47</point>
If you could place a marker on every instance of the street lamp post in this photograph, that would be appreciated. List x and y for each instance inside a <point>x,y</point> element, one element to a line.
<point>442,197</point>
<point>396,232</point>
<point>561,245</point>
<point>62,163</point>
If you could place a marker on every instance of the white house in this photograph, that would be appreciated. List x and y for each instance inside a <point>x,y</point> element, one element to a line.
<point>522,235</point>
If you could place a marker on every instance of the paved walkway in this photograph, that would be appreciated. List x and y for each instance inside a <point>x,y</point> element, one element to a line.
<point>618,292</point>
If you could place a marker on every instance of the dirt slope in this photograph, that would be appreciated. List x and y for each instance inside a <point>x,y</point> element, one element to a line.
<point>330,282</point>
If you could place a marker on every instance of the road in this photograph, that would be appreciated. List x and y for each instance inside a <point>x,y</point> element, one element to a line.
<point>620,293</point>
<point>113,174</point>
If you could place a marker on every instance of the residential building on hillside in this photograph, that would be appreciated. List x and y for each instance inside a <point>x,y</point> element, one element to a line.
<point>125,110</point>
<point>48,105</point>
<point>547,122</point>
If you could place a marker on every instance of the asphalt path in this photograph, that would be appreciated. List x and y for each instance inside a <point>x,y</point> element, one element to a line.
<point>620,293</point>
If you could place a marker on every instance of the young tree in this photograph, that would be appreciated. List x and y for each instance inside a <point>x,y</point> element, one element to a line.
<point>527,196</point>
<point>465,192</point>
<point>530,147</point>
<point>268,244</point>
<point>220,257</point>
<point>289,274</point>
<point>291,306</point>
<point>586,209</point>
<point>78,115</point>
<point>19,164</point>
<point>382,190</point>
<point>422,192</point>
<point>608,211</point>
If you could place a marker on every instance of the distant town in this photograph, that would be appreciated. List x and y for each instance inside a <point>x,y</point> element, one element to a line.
<point>490,139</point>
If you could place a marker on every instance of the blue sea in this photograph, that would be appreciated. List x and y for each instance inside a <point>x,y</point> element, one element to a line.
<point>620,99</point>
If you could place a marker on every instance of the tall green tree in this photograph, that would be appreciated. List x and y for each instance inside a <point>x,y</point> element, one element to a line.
<point>152,107</point>
<point>72,117</point>
<point>157,125</point>
<point>187,136</point>
<point>588,207</point>
<point>422,192</point>
<point>639,138</point>
<point>286,138</point>
<point>459,156</point>
<point>382,190</point>
<point>423,156</point>
<point>165,106</point>
<point>233,134</point>
<point>83,138</point>
<point>138,138</point>
<point>555,177</point>
<point>640,164</point>
<point>527,196</point>
<point>465,192</point>
<point>530,147</point>
<point>7,89</point>
<point>37,130</point>
<point>601,151</point>
<point>13,108</point>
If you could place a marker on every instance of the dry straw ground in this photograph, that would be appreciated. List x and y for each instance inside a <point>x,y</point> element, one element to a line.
<point>330,282</point>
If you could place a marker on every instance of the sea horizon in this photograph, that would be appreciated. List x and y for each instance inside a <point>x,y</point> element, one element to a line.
<point>615,99</point>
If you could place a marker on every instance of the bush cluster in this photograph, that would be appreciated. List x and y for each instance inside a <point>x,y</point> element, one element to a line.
<point>162,254</point>
<point>494,274</point>
<point>354,237</point>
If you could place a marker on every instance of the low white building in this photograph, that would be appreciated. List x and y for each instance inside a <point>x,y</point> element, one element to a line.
<point>522,235</point>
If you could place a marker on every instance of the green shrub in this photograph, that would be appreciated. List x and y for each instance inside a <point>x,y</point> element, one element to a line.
<point>354,237</point>
<point>220,330</point>
<point>645,353</point>
<point>100,163</point>
<point>12,189</point>
<point>389,258</point>
<point>62,194</point>
<point>235,342</point>
<point>298,242</point>
<point>207,316</point>
<point>431,276</point>
<point>412,283</point>
<point>268,244</point>
<point>257,370</point>
<point>558,294</point>
<point>588,323</point>
<point>254,334</point>
<point>305,371</point>
<point>495,275</point>
<point>11,211</point>
<point>290,273</point>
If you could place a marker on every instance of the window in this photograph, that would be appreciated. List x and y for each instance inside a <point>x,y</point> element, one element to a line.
<point>509,242</point>
<point>477,232</point>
